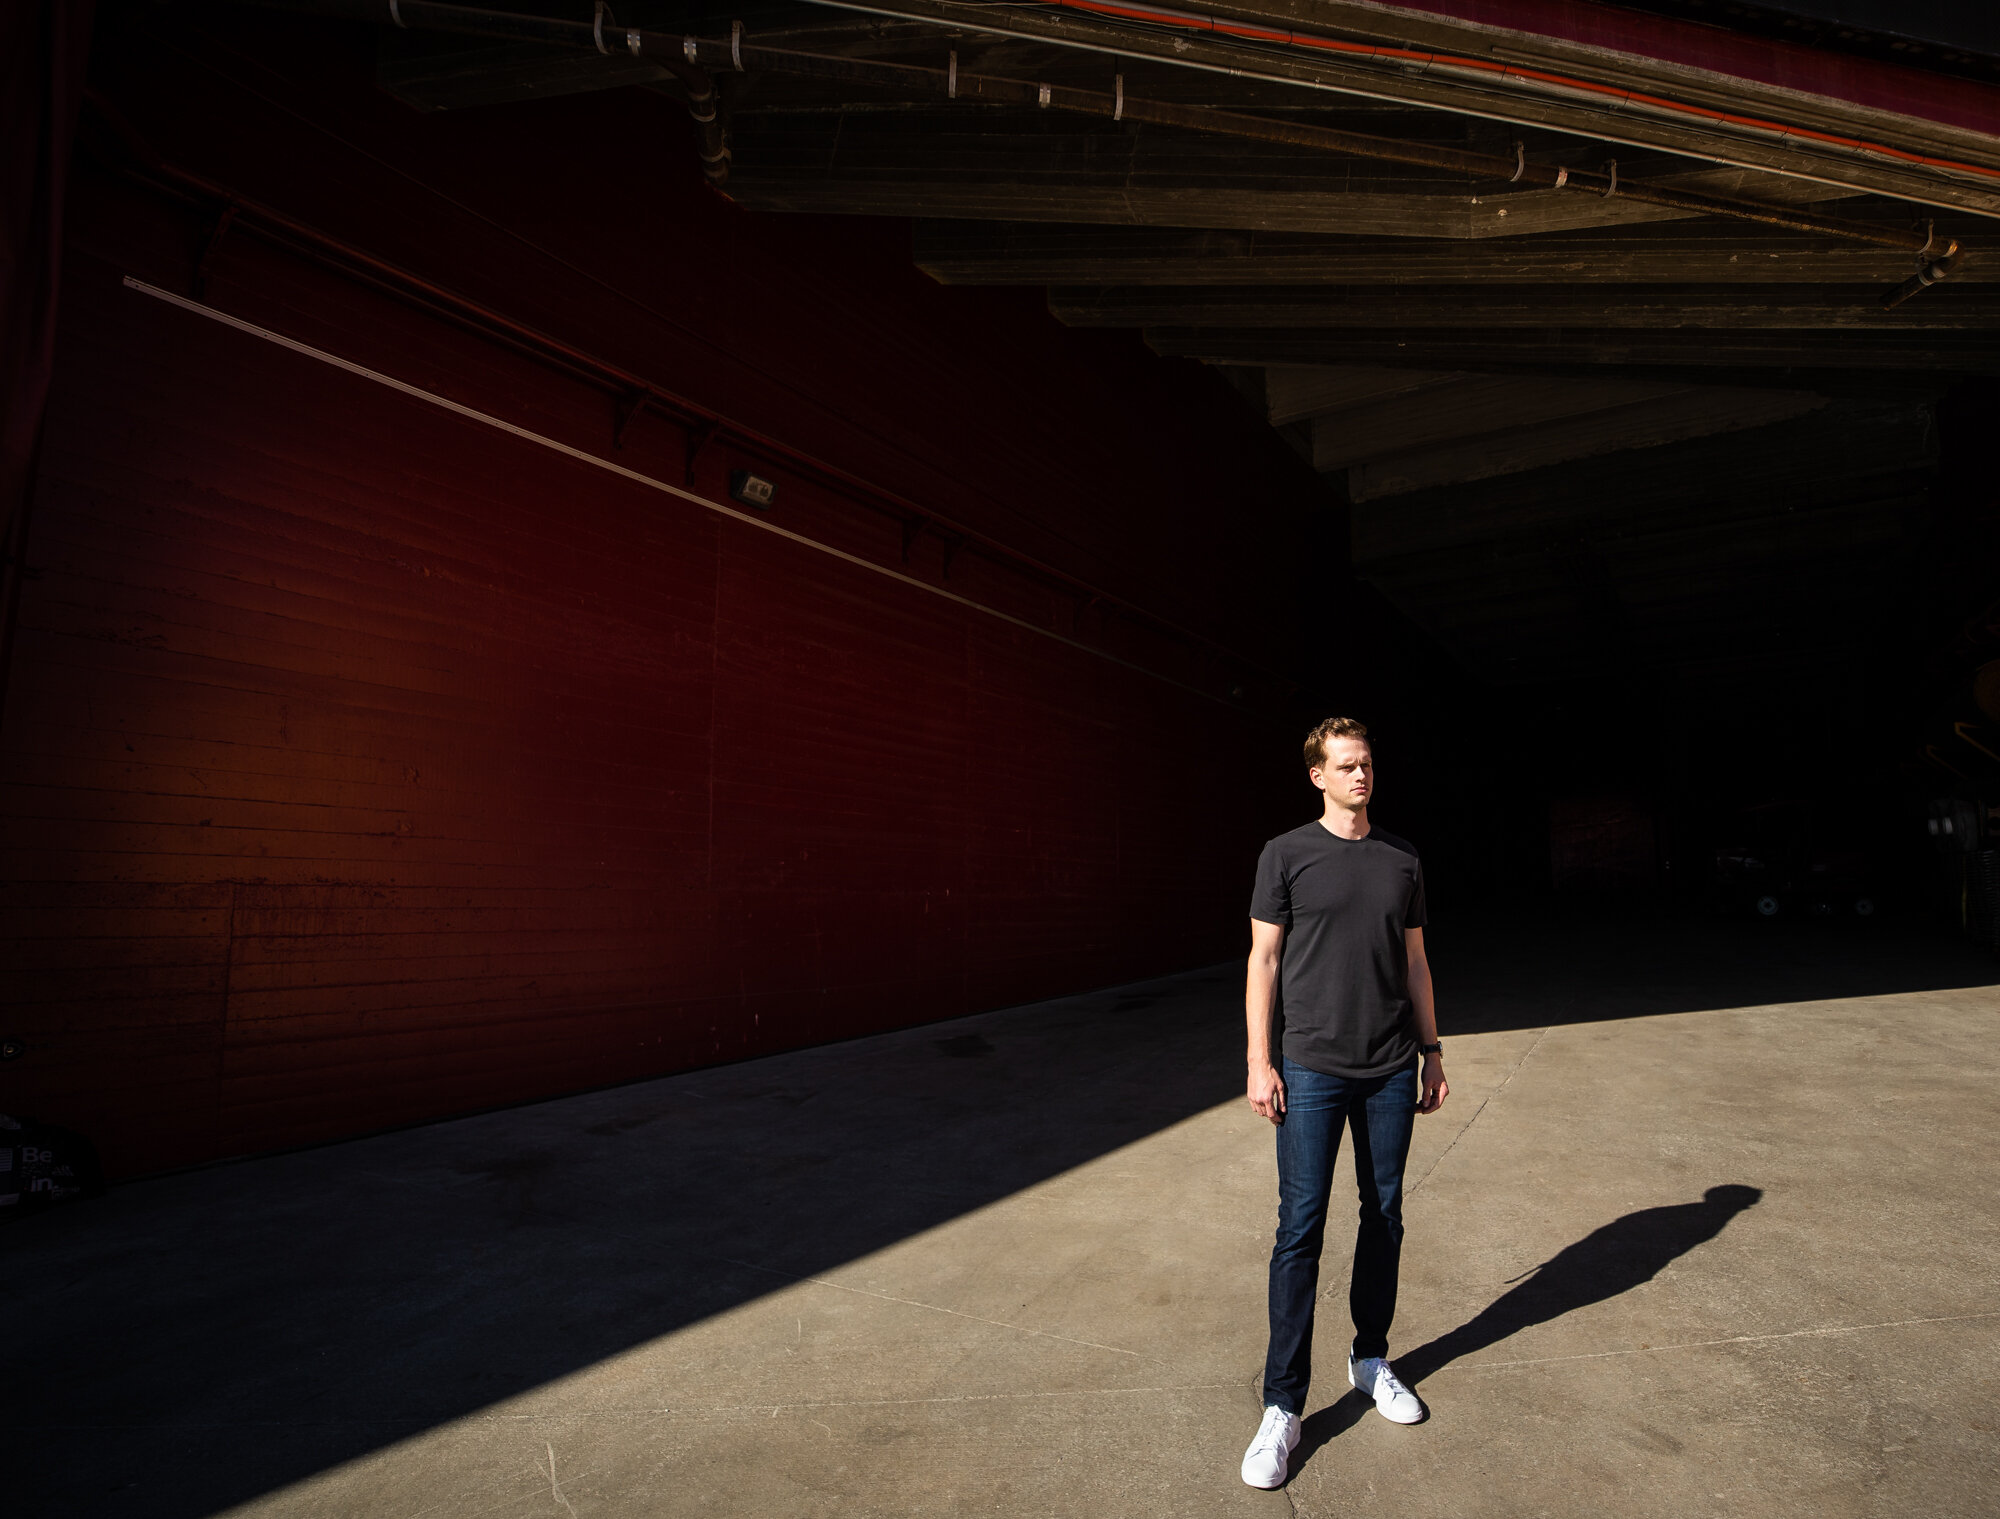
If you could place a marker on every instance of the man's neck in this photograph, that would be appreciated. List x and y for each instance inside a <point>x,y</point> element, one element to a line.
<point>1345,823</point>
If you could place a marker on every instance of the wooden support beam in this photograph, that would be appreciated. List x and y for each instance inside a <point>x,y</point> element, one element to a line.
<point>1688,252</point>
<point>1585,432</point>
<point>983,164</point>
<point>1697,353</point>
<point>1470,406</point>
<point>1296,393</point>
<point>1609,117</point>
<point>1461,217</point>
<point>1802,308</point>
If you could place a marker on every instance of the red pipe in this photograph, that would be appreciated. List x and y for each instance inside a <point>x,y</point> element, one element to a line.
<point>1191,21</point>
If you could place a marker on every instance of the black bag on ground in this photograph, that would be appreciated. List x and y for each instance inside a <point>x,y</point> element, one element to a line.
<point>41,1165</point>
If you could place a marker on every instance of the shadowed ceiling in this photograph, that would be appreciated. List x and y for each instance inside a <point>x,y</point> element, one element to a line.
<point>1574,433</point>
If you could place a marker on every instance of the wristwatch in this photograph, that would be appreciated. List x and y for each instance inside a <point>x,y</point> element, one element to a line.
<point>1432,1049</point>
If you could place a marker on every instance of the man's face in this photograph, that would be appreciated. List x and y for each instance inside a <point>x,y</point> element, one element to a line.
<point>1348,774</point>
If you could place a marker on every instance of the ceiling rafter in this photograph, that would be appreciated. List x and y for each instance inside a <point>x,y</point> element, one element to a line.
<point>1770,152</point>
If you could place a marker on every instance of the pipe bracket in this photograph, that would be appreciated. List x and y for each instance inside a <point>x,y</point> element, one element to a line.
<point>1941,268</point>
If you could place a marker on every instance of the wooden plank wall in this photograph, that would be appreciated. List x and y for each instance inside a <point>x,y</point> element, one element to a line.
<point>362,765</point>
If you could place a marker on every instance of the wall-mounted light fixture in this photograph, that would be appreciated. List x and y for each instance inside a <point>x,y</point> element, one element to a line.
<point>752,490</point>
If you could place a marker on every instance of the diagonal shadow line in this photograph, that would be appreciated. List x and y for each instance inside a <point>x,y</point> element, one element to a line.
<point>1606,1263</point>
<point>197,1341</point>
<point>159,1332</point>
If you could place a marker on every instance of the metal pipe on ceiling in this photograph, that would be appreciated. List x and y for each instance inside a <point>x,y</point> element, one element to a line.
<point>1514,69</point>
<point>912,78</point>
<point>1184,50</point>
<point>601,34</point>
<point>689,53</point>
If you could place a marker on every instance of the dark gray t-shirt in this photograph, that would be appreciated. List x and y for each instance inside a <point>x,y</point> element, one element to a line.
<point>1344,976</point>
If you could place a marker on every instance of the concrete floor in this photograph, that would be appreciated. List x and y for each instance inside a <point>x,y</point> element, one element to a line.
<point>1013,1265</point>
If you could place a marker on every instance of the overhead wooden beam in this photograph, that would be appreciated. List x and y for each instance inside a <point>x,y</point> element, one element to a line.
<point>1687,252</point>
<point>1585,432</point>
<point>983,163</point>
<point>1292,394</point>
<point>1694,352</point>
<point>1612,118</point>
<point>986,164</point>
<point>1462,217</point>
<point>1460,406</point>
<point>1798,308</point>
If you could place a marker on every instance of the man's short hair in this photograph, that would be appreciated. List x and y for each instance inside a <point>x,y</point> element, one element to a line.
<point>1333,727</point>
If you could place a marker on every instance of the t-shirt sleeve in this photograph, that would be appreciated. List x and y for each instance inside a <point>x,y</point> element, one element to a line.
<point>1416,913</point>
<point>1271,897</point>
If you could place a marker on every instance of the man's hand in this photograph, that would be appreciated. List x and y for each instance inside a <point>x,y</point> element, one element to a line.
<point>1267,1092</point>
<point>1436,1088</point>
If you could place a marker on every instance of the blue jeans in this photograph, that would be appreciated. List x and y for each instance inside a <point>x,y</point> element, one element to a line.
<point>1381,1110</point>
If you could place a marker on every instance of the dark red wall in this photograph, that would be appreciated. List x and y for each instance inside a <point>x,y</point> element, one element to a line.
<point>363,765</point>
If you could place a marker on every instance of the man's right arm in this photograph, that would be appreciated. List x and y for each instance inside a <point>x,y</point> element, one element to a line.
<point>1266,1087</point>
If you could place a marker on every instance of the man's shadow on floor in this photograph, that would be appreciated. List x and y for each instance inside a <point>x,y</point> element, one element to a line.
<point>1604,1263</point>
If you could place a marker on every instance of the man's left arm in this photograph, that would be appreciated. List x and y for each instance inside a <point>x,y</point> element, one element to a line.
<point>1424,1005</point>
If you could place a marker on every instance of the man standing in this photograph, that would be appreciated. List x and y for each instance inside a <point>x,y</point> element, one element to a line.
<point>1337,944</point>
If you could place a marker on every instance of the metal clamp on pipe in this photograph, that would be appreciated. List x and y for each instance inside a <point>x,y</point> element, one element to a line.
<point>1927,275</point>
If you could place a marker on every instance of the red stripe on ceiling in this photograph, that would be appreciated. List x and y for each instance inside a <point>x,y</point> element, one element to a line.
<point>1865,82</point>
<point>1501,69</point>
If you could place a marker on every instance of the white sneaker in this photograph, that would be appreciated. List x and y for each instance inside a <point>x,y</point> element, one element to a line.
<point>1270,1454</point>
<point>1395,1402</point>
